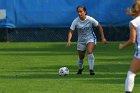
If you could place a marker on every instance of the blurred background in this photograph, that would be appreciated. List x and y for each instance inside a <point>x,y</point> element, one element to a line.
<point>49,20</point>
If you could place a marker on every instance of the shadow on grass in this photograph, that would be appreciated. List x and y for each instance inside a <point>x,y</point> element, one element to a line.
<point>86,78</point>
<point>105,74</point>
<point>50,49</point>
<point>39,53</point>
<point>53,47</point>
<point>39,50</point>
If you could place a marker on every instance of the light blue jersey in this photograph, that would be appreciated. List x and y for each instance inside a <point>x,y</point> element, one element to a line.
<point>136,23</point>
<point>85,30</point>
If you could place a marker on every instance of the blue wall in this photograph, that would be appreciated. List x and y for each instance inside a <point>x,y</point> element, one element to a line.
<point>60,13</point>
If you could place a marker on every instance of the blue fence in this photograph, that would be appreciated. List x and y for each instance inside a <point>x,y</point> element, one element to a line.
<point>60,13</point>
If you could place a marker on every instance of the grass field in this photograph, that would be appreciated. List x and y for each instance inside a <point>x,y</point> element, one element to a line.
<point>33,68</point>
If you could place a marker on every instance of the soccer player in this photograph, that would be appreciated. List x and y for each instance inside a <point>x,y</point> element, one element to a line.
<point>86,37</point>
<point>134,11</point>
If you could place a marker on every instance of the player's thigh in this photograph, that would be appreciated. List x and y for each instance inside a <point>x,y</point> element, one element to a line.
<point>81,54</point>
<point>135,65</point>
<point>90,47</point>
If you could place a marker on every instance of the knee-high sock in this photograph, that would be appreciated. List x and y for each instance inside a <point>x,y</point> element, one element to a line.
<point>91,61</point>
<point>80,63</point>
<point>129,82</point>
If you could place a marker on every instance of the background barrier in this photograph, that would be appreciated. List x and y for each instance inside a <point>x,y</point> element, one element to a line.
<point>49,20</point>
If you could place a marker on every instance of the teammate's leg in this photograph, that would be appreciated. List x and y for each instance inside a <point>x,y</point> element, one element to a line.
<point>90,48</point>
<point>134,68</point>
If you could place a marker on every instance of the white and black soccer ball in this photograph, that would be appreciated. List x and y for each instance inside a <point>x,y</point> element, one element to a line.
<point>63,71</point>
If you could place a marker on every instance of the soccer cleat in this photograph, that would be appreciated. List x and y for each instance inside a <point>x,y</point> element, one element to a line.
<point>80,71</point>
<point>128,92</point>
<point>91,72</point>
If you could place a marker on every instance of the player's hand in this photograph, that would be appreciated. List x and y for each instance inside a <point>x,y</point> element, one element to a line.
<point>68,44</point>
<point>120,46</point>
<point>104,41</point>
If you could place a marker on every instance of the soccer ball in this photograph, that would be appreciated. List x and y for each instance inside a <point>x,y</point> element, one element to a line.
<point>63,71</point>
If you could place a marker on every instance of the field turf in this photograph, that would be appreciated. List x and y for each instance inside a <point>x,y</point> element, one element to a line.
<point>33,68</point>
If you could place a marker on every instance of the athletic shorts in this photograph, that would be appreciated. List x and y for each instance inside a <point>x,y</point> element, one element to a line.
<point>82,45</point>
<point>137,53</point>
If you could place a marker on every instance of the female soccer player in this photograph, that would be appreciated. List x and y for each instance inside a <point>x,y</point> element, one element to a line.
<point>134,38</point>
<point>86,37</point>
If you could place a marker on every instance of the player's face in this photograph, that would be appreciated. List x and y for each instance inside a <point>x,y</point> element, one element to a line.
<point>138,1</point>
<point>81,13</point>
<point>137,7</point>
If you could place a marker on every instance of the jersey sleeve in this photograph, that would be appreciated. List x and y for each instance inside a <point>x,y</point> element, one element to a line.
<point>135,22</point>
<point>93,21</point>
<point>73,25</point>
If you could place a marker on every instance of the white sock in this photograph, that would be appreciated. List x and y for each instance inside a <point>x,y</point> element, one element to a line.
<point>129,82</point>
<point>80,63</point>
<point>91,61</point>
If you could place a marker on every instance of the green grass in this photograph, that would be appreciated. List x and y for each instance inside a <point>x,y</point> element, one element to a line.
<point>33,68</point>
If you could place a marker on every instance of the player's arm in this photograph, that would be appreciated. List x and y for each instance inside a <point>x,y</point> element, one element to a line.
<point>132,38</point>
<point>70,33</point>
<point>99,27</point>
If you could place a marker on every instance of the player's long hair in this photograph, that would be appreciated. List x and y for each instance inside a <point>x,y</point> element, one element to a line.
<point>134,10</point>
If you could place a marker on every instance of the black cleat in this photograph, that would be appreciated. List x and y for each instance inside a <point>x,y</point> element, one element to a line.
<point>91,72</point>
<point>128,92</point>
<point>80,71</point>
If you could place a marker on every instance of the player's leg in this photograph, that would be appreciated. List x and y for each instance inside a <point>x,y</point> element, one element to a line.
<point>81,47</point>
<point>134,68</point>
<point>90,48</point>
<point>80,61</point>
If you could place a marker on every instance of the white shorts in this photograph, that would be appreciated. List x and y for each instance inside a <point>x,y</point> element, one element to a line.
<point>137,53</point>
<point>82,45</point>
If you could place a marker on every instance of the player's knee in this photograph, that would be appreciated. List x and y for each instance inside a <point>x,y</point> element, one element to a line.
<point>89,51</point>
<point>81,57</point>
